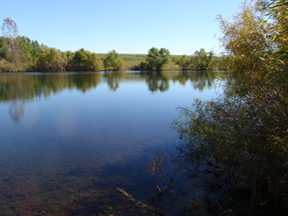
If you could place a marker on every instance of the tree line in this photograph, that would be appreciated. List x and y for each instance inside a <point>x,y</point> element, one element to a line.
<point>20,53</point>
<point>200,60</point>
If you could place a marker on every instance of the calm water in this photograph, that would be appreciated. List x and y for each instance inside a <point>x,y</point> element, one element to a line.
<point>69,139</point>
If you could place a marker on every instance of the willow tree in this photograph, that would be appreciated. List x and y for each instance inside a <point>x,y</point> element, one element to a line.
<point>244,133</point>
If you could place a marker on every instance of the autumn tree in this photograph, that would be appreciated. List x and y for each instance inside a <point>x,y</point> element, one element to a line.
<point>242,136</point>
<point>278,63</point>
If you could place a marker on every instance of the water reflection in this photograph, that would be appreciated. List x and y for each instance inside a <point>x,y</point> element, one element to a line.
<point>30,86</point>
<point>83,82</point>
<point>113,79</point>
<point>80,135</point>
<point>17,88</point>
<point>157,80</point>
<point>199,80</point>
<point>16,109</point>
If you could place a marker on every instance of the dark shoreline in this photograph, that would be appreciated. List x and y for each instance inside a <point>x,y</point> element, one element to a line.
<point>65,71</point>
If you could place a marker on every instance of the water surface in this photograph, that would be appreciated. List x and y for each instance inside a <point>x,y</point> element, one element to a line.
<point>69,139</point>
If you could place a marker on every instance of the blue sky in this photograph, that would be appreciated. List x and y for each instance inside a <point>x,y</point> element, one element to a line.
<point>128,26</point>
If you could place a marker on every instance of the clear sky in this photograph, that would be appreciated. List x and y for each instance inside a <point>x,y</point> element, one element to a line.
<point>128,26</point>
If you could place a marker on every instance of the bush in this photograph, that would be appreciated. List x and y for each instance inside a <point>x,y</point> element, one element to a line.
<point>245,131</point>
<point>113,62</point>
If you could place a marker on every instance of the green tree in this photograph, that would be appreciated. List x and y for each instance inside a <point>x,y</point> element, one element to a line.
<point>113,62</point>
<point>32,50</point>
<point>85,60</point>
<point>29,55</point>
<point>202,60</point>
<point>51,59</point>
<point>3,47</point>
<point>156,59</point>
<point>182,61</point>
<point>69,57</point>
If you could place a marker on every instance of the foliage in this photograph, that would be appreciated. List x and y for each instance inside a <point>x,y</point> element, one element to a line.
<point>3,47</point>
<point>22,54</point>
<point>83,60</point>
<point>277,63</point>
<point>156,59</point>
<point>113,61</point>
<point>6,66</point>
<point>244,131</point>
<point>202,60</point>
<point>50,59</point>
<point>182,61</point>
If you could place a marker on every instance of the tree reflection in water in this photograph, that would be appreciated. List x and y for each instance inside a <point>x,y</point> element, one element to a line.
<point>19,88</point>
<point>16,109</point>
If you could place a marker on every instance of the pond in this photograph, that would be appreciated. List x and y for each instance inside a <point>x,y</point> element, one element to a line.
<point>69,139</point>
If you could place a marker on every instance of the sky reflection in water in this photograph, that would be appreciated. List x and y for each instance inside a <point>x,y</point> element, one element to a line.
<point>69,139</point>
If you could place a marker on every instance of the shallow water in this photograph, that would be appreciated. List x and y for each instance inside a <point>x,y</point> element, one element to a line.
<point>69,139</point>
